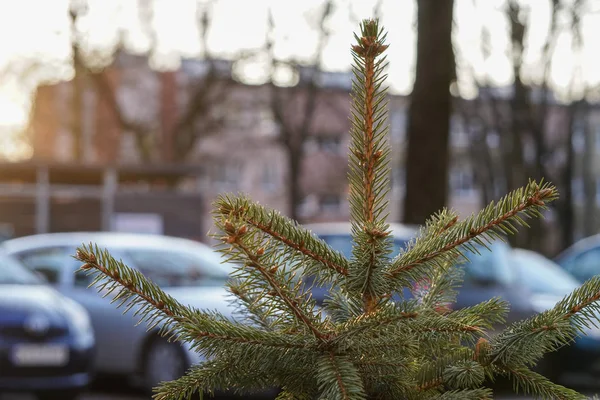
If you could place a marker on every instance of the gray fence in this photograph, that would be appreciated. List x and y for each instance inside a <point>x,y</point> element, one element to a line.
<point>40,198</point>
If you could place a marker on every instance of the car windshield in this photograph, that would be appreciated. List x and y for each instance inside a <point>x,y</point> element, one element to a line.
<point>343,244</point>
<point>492,264</point>
<point>543,276</point>
<point>487,265</point>
<point>170,268</point>
<point>13,273</point>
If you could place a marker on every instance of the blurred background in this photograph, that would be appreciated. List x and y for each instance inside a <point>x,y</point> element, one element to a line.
<point>154,107</point>
<point>133,115</point>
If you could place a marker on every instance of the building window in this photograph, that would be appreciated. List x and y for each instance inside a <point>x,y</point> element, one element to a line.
<point>330,144</point>
<point>578,138</point>
<point>331,203</point>
<point>309,206</point>
<point>462,182</point>
<point>227,176</point>
<point>269,181</point>
<point>458,135</point>
<point>266,123</point>
<point>493,139</point>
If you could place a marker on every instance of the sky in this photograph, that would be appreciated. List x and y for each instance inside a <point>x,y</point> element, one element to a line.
<point>42,39</point>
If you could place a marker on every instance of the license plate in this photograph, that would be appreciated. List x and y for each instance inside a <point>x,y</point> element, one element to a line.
<point>32,355</point>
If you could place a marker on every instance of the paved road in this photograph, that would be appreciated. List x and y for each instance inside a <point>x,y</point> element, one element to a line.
<point>132,396</point>
<point>112,390</point>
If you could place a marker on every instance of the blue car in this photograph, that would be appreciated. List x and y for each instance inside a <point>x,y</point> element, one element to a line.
<point>529,282</point>
<point>582,259</point>
<point>46,340</point>
<point>487,275</point>
<point>548,283</point>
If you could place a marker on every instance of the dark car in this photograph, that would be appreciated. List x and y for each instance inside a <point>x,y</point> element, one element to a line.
<point>548,283</point>
<point>46,340</point>
<point>529,282</point>
<point>582,259</point>
<point>489,274</point>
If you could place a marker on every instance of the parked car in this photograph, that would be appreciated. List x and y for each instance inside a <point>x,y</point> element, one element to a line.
<point>487,275</point>
<point>548,283</point>
<point>189,271</point>
<point>530,283</point>
<point>46,339</point>
<point>582,259</point>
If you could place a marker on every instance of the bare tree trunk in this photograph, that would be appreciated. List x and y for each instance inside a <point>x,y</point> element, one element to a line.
<point>566,214</point>
<point>76,117</point>
<point>293,183</point>
<point>295,126</point>
<point>429,114</point>
<point>482,163</point>
<point>589,177</point>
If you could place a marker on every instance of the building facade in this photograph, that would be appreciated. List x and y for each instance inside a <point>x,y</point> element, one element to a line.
<point>236,139</point>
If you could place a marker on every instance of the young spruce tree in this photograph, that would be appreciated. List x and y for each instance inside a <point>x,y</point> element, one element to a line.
<point>361,344</point>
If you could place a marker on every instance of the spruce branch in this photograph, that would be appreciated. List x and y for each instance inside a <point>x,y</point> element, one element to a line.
<point>284,230</point>
<point>261,262</point>
<point>525,342</point>
<point>369,167</point>
<point>431,373</point>
<point>466,394</point>
<point>433,249</point>
<point>203,329</point>
<point>440,289</point>
<point>111,275</point>
<point>206,378</point>
<point>250,306</point>
<point>529,382</point>
<point>339,378</point>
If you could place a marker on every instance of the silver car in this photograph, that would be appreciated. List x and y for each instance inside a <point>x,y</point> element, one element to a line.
<point>189,271</point>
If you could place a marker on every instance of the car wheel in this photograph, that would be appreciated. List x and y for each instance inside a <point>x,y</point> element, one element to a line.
<point>58,395</point>
<point>163,361</point>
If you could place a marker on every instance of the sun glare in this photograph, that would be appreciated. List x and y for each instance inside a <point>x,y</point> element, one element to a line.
<point>241,25</point>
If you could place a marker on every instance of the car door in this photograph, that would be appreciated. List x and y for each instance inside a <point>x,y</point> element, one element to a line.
<point>490,274</point>
<point>115,333</point>
<point>482,280</point>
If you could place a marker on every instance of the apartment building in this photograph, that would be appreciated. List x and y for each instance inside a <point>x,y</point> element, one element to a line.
<point>242,151</point>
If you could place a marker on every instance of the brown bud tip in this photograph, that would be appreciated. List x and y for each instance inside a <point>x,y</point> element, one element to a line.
<point>85,257</point>
<point>160,305</point>
<point>274,269</point>
<point>230,239</point>
<point>86,267</point>
<point>260,251</point>
<point>243,229</point>
<point>229,228</point>
<point>546,192</point>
